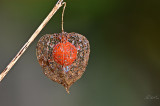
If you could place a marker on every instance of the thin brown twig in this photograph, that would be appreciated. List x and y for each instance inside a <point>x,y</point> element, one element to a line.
<point>31,39</point>
<point>64,3</point>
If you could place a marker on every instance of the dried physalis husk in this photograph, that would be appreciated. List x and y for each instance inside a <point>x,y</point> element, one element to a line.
<point>63,57</point>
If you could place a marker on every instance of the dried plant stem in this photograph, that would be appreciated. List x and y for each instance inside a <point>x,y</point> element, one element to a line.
<point>64,3</point>
<point>19,54</point>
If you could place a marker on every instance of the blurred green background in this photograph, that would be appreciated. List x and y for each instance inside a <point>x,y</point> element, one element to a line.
<point>124,65</point>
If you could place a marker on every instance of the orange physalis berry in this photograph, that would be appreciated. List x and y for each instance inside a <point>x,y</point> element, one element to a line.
<point>63,56</point>
<point>64,53</point>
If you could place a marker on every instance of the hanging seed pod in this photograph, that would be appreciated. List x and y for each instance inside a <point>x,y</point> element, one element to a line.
<point>63,57</point>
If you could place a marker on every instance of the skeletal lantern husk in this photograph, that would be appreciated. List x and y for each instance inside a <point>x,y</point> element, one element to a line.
<point>65,74</point>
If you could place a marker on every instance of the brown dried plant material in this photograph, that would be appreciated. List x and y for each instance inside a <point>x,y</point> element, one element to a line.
<point>65,74</point>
